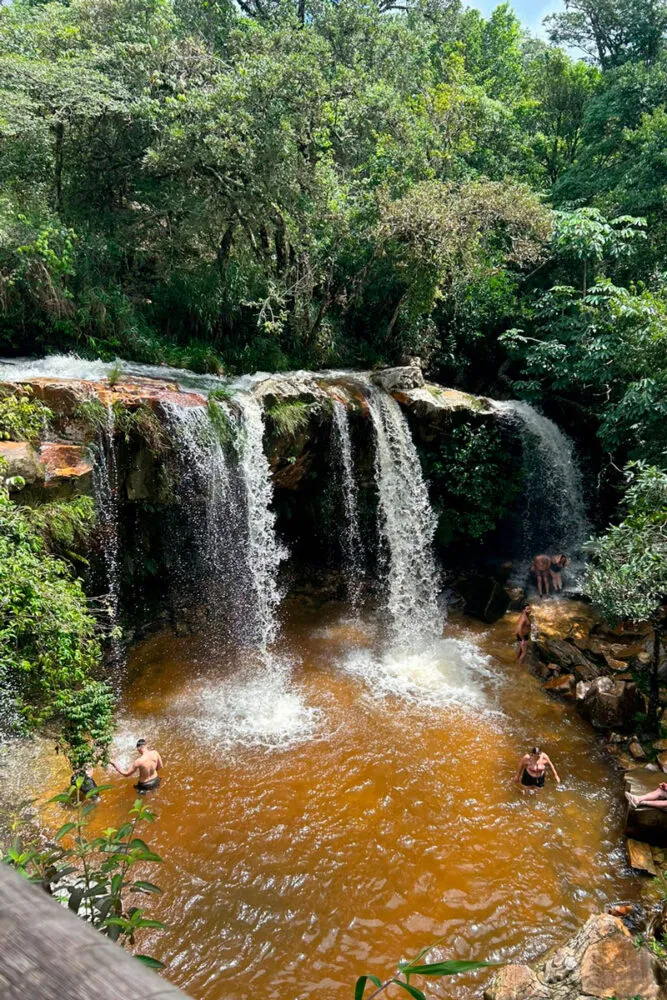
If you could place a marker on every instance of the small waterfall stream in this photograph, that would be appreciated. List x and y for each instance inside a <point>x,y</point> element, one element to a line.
<point>105,483</point>
<point>264,551</point>
<point>406,524</point>
<point>350,535</point>
<point>553,516</point>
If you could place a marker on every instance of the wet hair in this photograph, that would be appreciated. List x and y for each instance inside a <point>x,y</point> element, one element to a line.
<point>536,751</point>
<point>141,743</point>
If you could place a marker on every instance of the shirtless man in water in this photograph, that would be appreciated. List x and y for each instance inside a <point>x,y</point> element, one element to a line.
<point>523,627</point>
<point>532,769</point>
<point>147,765</point>
<point>541,569</point>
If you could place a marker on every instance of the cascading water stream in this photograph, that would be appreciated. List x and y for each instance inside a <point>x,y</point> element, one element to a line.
<point>214,508</point>
<point>406,525</point>
<point>264,551</point>
<point>105,483</point>
<point>553,518</point>
<point>350,536</point>
<point>227,489</point>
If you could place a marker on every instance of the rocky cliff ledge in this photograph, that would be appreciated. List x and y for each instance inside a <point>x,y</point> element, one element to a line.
<point>601,961</point>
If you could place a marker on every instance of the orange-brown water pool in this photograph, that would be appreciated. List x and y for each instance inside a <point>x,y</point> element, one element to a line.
<point>377,816</point>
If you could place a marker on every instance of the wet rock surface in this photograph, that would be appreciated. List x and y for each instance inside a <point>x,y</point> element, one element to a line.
<point>600,961</point>
<point>608,703</point>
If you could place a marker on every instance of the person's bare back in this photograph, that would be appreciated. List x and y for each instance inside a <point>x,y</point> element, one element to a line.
<point>147,765</point>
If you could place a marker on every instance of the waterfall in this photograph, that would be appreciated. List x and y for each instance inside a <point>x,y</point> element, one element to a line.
<point>214,507</point>
<point>406,525</point>
<point>105,484</point>
<point>553,516</point>
<point>264,551</point>
<point>350,534</point>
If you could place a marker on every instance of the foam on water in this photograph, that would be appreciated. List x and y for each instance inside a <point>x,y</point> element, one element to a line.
<point>447,672</point>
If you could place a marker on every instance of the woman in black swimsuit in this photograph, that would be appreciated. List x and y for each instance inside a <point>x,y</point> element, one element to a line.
<point>532,769</point>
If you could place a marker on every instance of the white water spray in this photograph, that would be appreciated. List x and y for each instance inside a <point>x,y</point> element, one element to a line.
<point>350,535</point>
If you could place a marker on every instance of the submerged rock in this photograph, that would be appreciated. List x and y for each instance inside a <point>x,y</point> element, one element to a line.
<point>600,961</point>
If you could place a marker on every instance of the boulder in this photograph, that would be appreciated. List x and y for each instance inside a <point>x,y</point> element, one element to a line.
<point>69,471</point>
<point>517,982</point>
<point>636,750</point>
<point>399,379</point>
<point>433,406</point>
<point>646,824</point>
<point>609,703</point>
<point>22,461</point>
<point>570,659</point>
<point>564,685</point>
<point>600,961</point>
<point>484,598</point>
<point>640,856</point>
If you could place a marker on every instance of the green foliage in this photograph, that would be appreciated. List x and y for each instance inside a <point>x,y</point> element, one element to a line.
<point>219,418</point>
<point>22,418</point>
<point>472,480</point>
<point>65,525</point>
<point>94,877</point>
<point>49,642</point>
<point>627,578</point>
<point>416,967</point>
<point>288,420</point>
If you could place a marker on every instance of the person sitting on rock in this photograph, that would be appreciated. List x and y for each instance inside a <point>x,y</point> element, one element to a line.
<point>656,799</point>
<point>523,630</point>
<point>558,564</point>
<point>532,769</point>
<point>541,569</point>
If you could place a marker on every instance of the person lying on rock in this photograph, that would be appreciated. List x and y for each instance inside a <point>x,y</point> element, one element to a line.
<point>147,765</point>
<point>558,564</point>
<point>532,769</point>
<point>657,799</point>
<point>541,569</point>
<point>523,630</point>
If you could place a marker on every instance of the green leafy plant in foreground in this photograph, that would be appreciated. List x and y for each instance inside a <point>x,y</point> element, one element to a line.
<point>416,967</point>
<point>94,876</point>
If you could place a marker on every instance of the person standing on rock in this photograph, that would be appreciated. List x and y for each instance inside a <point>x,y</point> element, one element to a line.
<point>523,632</point>
<point>541,569</point>
<point>147,765</point>
<point>558,564</point>
<point>532,769</point>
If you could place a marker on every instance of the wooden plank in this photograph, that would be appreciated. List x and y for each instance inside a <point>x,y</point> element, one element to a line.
<point>48,953</point>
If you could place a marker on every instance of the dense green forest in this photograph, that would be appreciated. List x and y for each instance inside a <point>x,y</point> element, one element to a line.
<point>278,184</point>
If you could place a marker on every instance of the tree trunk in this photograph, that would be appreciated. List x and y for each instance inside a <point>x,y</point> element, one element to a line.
<point>654,682</point>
